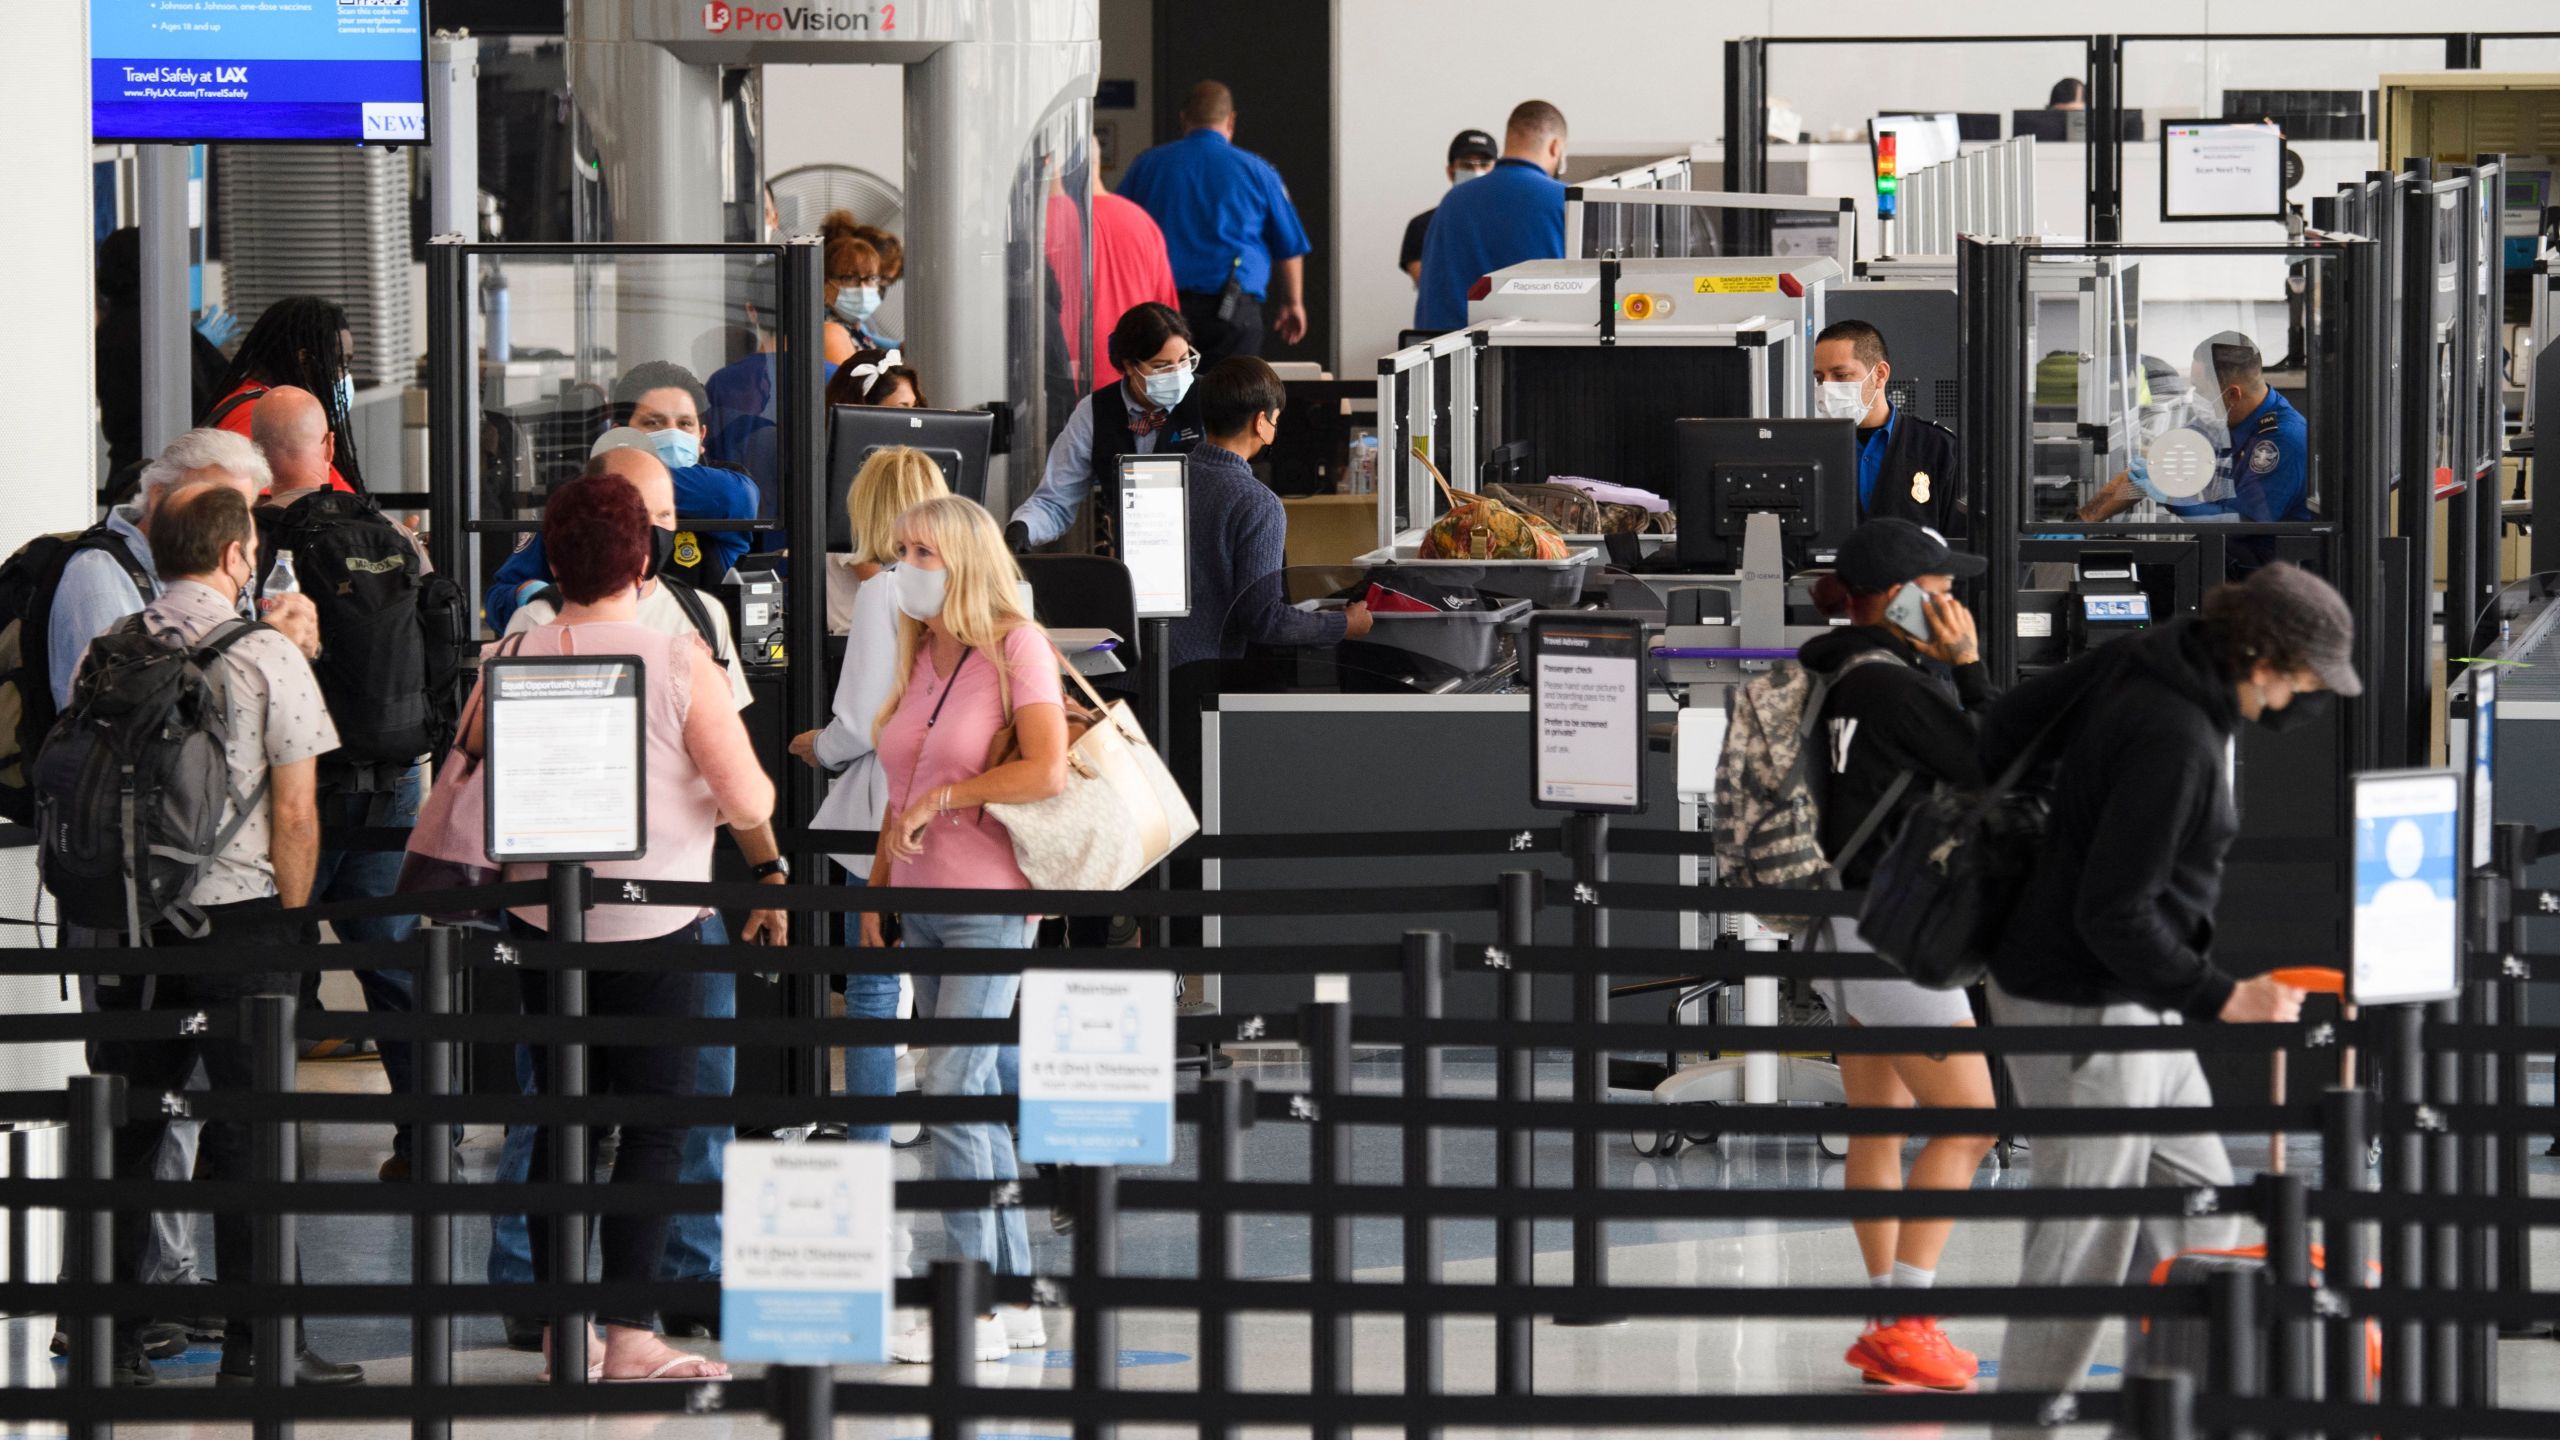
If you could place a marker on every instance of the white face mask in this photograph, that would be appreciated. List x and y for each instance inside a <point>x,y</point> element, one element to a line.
<point>1842,400</point>
<point>920,592</point>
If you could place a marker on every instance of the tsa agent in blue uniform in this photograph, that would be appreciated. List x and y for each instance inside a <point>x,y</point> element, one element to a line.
<point>2262,470</point>
<point>1229,228</point>
<point>1513,214</point>
<point>1906,465</point>
<point>1149,410</point>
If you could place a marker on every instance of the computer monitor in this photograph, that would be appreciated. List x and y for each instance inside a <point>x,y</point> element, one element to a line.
<point>956,439</point>
<point>1723,471</point>
<point>2059,127</point>
<point>2221,170</point>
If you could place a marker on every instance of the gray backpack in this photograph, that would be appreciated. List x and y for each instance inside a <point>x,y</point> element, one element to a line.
<point>1768,819</point>
<point>131,785</point>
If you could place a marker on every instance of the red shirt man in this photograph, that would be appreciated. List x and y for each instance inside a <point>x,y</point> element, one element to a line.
<point>1130,268</point>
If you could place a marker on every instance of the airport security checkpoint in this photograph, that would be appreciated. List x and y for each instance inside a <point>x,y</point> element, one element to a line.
<point>1826,767</point>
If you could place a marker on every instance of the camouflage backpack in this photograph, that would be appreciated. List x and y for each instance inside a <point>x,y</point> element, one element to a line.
<point>1768,822</point>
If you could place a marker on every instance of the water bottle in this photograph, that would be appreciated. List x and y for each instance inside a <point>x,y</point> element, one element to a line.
<point>279,583</point>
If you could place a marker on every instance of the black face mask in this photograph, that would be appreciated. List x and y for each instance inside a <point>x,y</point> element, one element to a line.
<point>2307,709</point>
<point>662,548</point>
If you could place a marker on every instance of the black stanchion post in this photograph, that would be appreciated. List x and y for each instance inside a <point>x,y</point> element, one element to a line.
<point>1097,1257</point>
<point>802,1399</point>
<point>2233,1316</point>
<point>2160,1407</point>
<point>1587,838</point>
<point>89,1240</point>
<point>2346,1134</point>
<point>2444,1241</point>
<point>2404,1259</point>
<point>959,1298</point>
<point>1426,972</point>
<point>1327,1035</point>
<point>2477,1382</point>
<point>1516,1145</point>
<point>431,1149</point>
<point>2292,1371</point>
<point>269,1019</point>
<point>1226,1110</point>
<point>1158,644</point>
<point>570,1163</point>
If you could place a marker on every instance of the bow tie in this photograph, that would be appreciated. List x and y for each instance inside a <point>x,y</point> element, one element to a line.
<point>1149,423</point>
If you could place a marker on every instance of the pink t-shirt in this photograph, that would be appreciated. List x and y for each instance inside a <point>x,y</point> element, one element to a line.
<point>966,849</point>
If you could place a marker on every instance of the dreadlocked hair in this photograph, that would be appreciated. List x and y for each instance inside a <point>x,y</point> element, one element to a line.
<point>296,343</point>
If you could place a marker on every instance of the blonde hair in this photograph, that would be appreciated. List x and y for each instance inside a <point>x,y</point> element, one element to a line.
<point>892,482</point>
<point>981,602</point>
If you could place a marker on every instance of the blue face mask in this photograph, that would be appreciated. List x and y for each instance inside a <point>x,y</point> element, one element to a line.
<point>346,393</point>
<point>1166,391</point>
<point>679,448</point>
<point>854,303</point>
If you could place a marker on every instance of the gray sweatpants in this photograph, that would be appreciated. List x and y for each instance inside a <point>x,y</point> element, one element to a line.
<point>2046,1355</point>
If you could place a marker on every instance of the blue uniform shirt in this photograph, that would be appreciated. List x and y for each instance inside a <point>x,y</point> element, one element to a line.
<point>1872,445</point>
<point>2265,474</point>
<point>1221,209</point>
<point>1513,213</point>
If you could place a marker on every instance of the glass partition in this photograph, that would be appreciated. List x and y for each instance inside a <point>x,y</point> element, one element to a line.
<point>1830,87</point>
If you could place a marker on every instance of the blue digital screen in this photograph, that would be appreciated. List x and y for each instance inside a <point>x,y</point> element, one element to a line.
<point>317,71</point>
<point>2116,607</point>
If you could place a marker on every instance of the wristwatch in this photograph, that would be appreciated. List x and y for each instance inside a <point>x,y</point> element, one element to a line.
<point>778,865</point>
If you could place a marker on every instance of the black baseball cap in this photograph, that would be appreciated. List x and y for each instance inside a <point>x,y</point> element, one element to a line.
<point>1473,145</point>
<point>1888,552</point>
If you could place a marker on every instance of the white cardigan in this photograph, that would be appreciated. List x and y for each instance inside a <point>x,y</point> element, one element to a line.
<point>860,790</point>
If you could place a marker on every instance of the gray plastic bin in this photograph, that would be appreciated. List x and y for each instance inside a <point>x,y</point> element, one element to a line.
<point>1464,640</point>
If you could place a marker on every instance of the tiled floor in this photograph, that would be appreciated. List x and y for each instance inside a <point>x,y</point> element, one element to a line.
<point>1702,1358</point>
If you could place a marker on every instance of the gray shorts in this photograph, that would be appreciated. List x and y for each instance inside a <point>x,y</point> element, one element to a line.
<point>1882,1002</point>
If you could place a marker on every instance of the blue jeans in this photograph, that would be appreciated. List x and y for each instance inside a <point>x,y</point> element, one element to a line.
<point>870,1070</point>
<point>370,875</point>
<point>983,1151</point>
<point>693,1241</point>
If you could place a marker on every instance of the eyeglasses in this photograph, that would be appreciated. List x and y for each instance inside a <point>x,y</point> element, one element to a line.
<point>849,281</point>
<point>1184,365</point>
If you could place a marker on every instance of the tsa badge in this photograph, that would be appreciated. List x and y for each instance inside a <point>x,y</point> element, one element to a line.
<point>2263,457</point>
<point>688,549</point>
<point>1919,487</point>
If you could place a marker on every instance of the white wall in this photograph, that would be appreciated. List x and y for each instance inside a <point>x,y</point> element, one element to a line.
<point>1128,53</point>
<point>44,110</point>
<point>1410,73</point>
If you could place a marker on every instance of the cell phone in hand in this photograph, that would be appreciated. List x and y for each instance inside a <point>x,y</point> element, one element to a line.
<point>1909,609</point>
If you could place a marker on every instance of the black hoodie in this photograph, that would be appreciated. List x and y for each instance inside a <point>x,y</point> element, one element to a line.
<point>2120,907</point>
<point>1882,720</point>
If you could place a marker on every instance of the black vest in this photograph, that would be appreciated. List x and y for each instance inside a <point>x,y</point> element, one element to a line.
<point>1111,440</point>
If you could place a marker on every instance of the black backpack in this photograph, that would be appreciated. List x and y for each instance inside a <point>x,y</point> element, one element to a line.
<point>28,580</point>
<point>392,636</point>
<point>131,785</point>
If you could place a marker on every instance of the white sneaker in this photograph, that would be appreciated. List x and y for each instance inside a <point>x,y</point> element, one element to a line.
<point>1022,1327</point>
<point>915,1347</point>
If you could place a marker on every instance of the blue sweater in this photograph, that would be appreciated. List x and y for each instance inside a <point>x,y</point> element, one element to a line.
<point>1237,530</point>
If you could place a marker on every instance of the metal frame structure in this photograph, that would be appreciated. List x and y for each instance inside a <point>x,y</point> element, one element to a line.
<point>1606,226</point>
<point>1988,193</point>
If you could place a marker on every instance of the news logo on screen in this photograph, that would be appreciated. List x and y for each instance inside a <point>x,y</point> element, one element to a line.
<point>352,72</point>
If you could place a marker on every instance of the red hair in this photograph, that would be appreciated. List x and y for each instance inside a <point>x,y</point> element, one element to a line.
<point>595,532</point>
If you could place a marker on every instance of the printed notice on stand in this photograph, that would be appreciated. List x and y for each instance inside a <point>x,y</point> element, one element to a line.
<point>805,1265</point>
<point>1155,533</point>
<point>1586,676</point>
<point>1097,1067</point>
<point>564,740</point>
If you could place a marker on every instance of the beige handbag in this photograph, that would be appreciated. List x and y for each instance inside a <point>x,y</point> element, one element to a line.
<point>1119,816</point>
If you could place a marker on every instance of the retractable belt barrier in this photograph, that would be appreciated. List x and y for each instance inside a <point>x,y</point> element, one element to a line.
<point>2277,1337</point>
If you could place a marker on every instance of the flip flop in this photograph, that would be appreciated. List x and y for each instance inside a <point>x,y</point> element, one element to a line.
<point>661,1376</point>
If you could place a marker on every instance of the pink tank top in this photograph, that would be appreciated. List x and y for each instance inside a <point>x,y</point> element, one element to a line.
<point>683,819</point>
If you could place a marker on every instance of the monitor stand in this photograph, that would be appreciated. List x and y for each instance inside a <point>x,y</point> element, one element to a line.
<point>1760,610</point>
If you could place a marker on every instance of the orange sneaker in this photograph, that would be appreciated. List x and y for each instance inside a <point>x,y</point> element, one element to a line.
<point>1965,1359</point>
<point>1908,1352</point>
